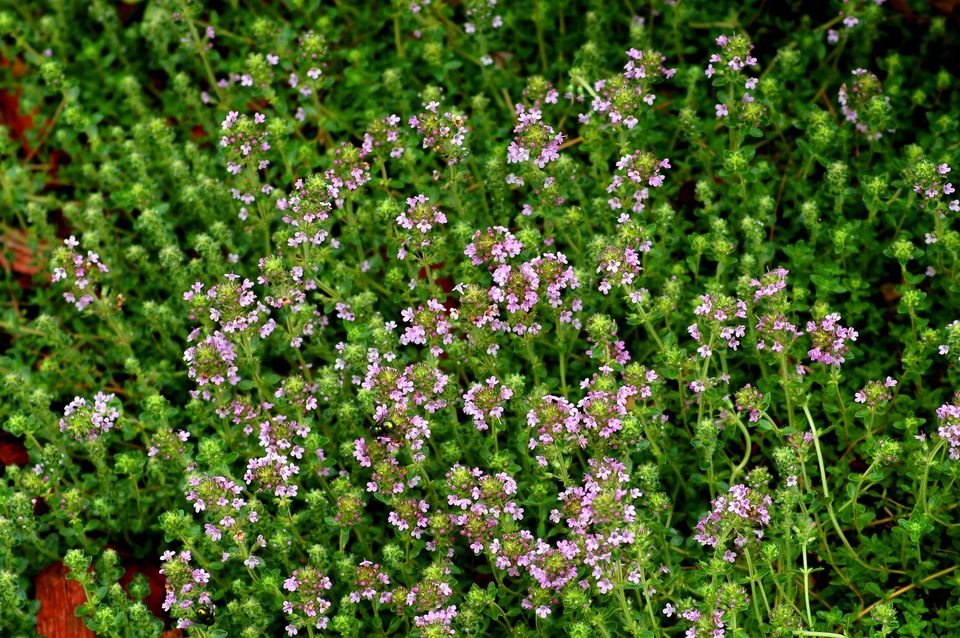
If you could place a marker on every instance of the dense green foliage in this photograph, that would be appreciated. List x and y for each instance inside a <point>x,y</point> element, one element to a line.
<point>483,318</point>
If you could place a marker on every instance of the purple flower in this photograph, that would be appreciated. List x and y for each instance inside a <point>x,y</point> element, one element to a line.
<point>533,140</point>
<point>750,400</point>
<point>185,586</point>
<point>244,138</point>
<point>734,54</point>
<point>769,285</point>
<point>85,422</point>
<point>410,515</point>
<point>383,138</point>
<point>621,97</point>
<point>213,361</point>
<point>949,427</point>
<point>876,392</point>
<point>829,340</point>
<point>484,402</point>
<point>232,305</point>
<point>496,246</point>
<point>856,98</point>
<point>444,133</point>
<point>305,603</point>
<point>429,325</point>
<point>369,580</point>
<point>739,512</point>
<point>481,15</point>
<point>167,443</point>
<point>419,218</point>
<point>273,472</point>
<point>636,174</point>
<point>81,272</point>
<point>776,333</point>
<point>719,314</point>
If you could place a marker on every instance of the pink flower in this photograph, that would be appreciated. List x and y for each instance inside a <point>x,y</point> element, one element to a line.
<point>829,340</point>
<point>485,402</point>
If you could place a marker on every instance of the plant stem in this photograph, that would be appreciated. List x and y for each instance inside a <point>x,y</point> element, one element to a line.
<point>806,584</point>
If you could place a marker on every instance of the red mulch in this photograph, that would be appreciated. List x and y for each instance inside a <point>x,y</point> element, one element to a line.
<point>59,598</point>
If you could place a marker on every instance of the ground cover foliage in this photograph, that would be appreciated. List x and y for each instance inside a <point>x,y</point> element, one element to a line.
<point>482,318</point>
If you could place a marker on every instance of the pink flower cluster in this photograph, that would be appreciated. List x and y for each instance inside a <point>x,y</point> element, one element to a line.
<point>734,54</point>
<point>273,473</point>
<point>307,209</point>
<point>621,97</point>
<point>286,287</point>
<point>856,97</point>
<point>381,135</point>
<point>770,284</point>
<point>187,585</point>
<point>410,515</point>
<point>829,339</point>
<point>481,14</point>
<point>305,603</point>
<point>876,392</point>
<point>497,245</point>
<point>349,172</point>
<point>776,333</point>
<point>934,189</point>
<point>428,599</point>
<point>168,444</point>
<point>636,174</point>
<point>429,326</point>
<point>297,391</point>
<point>619,262</point>
<point>484,402</point>
<point>86,422</point>
<point>479,501</point>
<point>749,400</point>
<point>370,580</point>
<point>602,412</point>
<point>597,420</point>
<point>83,272</point>
<point>557,424</point>
<point>539,91</point>
<point>444,133</point>
<point>517,289</point>
<point>419,385</point>
<point>212,360</point>
<point>388,477</point>
<point>600,515</point>
<point>221,498</point>
<point>740,514</point>
<point>533,140</point>
<point>712,624</point>
<point>244,138</point>
<point>949,427</point>
<point>720,313</point>
<point>420,218</point>
<point>232,305</point>
<point>437,622</point>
